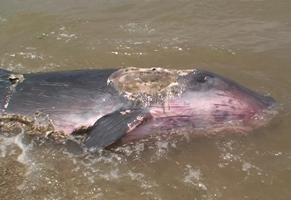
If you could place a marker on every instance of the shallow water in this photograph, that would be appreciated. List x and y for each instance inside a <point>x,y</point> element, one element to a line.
<point>246,40</point>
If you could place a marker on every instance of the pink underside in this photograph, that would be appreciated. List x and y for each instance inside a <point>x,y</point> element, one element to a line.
<point>214,112</point>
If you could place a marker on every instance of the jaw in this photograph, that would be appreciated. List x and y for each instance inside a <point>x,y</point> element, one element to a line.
<point>214,112</point>
<point>229,108</point>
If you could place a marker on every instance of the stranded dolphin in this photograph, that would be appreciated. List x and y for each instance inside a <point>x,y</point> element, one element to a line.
<point>110,105</point>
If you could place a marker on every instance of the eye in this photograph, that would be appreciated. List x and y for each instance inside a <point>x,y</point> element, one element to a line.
<point>201,81</point>
<point>201,78</point>
<point>197,81</point>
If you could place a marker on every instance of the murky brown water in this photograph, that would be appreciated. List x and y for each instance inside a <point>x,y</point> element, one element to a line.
<point>246,40</point>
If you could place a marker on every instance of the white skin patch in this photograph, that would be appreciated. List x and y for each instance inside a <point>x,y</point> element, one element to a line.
<point>125,112</point>
<point>148,85</point>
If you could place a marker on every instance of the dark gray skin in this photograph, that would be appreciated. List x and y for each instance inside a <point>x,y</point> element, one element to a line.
<point>73,99</point>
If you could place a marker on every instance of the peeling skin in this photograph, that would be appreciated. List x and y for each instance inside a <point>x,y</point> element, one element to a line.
<point>148,85</point>
<point>16,78</point>
<point>145,80</point>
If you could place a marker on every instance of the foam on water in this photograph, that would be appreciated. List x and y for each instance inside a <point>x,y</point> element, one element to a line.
<point>147,167</point>
<point>16,140</point>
